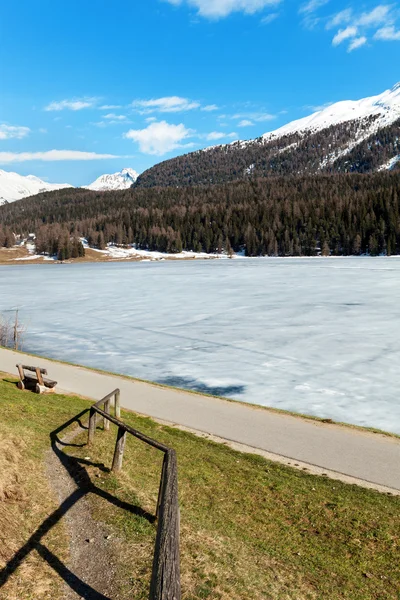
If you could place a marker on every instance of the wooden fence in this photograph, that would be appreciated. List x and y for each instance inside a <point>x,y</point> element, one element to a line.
<point>165,579</point>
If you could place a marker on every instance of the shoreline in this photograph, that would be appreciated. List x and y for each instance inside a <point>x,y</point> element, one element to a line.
<point>271,409</point>
<point>159,257</point>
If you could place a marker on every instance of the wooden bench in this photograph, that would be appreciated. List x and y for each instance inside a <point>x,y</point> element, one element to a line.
<point>31,378</point>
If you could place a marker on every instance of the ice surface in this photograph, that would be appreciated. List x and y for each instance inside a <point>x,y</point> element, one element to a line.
<point>317,336</point>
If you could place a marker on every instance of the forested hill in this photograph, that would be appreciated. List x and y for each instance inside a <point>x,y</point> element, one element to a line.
<point>338,214</point>
<point>341,148</point>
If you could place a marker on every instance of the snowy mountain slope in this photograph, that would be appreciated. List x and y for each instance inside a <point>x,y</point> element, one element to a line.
<point>15,187</point>
<point>349,136</point>
<point>117,181</point>
<point>385,108</point>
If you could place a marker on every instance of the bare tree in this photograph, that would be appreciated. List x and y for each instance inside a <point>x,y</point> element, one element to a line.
<point>11,332</point>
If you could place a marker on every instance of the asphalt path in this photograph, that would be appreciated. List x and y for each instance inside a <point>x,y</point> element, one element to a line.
<point>337,450</point>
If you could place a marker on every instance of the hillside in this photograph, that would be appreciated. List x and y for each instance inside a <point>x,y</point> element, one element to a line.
<point>252,526</point>
<point>336,214</point>
<point>352,136</point>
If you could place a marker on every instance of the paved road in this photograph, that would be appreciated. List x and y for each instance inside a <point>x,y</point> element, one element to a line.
<point>369,457</point>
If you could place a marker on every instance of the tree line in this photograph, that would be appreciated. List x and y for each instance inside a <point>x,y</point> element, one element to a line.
<point>338,214</point>
<point>329,150</point>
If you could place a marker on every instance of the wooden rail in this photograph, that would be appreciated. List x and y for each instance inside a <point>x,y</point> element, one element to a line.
<point>165,579</point>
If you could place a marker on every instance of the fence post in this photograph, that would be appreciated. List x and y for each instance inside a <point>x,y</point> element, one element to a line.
<point>165,579</point>
<point>117,405</point>
<point>160,490</point>
<point>119,450</point>
<point>106,422</point>
<point>92,426</point>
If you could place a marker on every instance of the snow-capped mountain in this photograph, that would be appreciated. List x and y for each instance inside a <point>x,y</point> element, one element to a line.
<point>15,187</point>
<point>350,136</point>
<point>117,181</point>
<point>384,108</point>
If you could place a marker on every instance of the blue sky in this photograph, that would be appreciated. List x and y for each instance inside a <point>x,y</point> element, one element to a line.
<point>92,86</point>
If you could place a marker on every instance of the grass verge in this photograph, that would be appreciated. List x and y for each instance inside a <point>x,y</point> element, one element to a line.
<point>325,421</point>
<point>250,528</point>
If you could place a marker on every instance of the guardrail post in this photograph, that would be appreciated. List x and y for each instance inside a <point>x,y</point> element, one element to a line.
<point>106,422</point>
<point>160,490</point>
<point>92,426</point>
<point>165,580</point>
<point>119,450</point>
<point>117,405</point>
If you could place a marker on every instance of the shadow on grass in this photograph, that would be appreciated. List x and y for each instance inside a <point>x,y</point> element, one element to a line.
<point>74,467</point>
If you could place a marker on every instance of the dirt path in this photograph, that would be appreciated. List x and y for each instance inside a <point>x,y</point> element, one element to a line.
<point>91,571</point>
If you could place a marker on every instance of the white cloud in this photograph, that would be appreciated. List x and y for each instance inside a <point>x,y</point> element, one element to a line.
<point>245,123</point>
<point>357,43</point>
<point>312,6</point>
<point>340,18</point>
<point>209,107</point>
<point>260,117</point>
<point>115,117</point>
<point>110,107</point>
<point>168,104</point>
<point>377,16</point>
<point>7,132</point>
<point>219,135</point>
<point>387,34</point>
<point>344,34</point>
<point>363,25</point>
<point>215,9</point>
<point>150,119</point>
<point>159,137</point>
<point>269,18</point>
<point>74,104</point>
<point>52,155</point>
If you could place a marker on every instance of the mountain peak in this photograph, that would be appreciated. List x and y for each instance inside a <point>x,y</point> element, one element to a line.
<point>15,187</point>
<point>122,180</point>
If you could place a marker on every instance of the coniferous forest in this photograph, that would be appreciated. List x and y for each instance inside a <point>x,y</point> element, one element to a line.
<point>338,214</point>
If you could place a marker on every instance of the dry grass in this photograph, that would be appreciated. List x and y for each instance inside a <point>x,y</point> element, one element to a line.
<point>26,498</point>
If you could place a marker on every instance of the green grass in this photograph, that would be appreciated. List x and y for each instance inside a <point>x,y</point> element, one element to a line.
<point>253,529</point>
<point>250,529</point>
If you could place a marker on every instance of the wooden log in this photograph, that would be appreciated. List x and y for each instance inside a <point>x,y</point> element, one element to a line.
<point>47,382</point>
<point>43,371</point>
<point>165,580</point>
<point>21,375</point>
<point>117,404</point>
<point>42,389</point>
<point>119,450</point>
<point>106,422</point>
<point>92,426</point>
<point>39,376</point>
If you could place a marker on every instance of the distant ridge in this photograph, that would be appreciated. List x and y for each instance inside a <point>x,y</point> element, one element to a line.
<point>349,136</point>
<point>15,187</point>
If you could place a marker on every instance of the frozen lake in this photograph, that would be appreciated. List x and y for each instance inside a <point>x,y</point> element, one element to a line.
<point>315,336</point>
